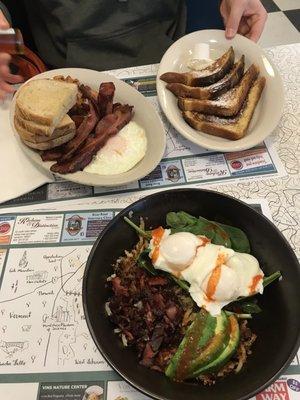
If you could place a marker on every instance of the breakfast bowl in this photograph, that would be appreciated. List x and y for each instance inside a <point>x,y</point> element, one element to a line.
<point>268,110</point>
<point>277,327</point>
<point>144,117</point>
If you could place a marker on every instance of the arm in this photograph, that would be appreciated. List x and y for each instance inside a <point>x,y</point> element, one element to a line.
<point>6,78</point>
<point>247,17</point>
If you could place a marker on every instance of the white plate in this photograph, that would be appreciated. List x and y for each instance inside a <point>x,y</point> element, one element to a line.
<point>268,111</point>
<point>144,114</point>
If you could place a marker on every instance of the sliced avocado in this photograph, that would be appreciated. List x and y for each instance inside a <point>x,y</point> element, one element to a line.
<point>198,334</point>
<point>204,341</point>
<point>214,347</point>
<point>229,351</point>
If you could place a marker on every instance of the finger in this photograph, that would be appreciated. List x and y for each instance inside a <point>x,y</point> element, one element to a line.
<point>234,20</point>
<point>4,24</point>
<point>14,79</point>
<point>2,95</point>
<point>224,12</point>
<point>244,28</point>
<point>5,87</point>
<point>257,28</point>
<point>4,58</point>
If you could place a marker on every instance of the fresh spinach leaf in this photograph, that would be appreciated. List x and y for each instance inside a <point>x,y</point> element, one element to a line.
<point>140,231</point>
<point>250,307</point>
<point>180,282</point>
<point>222,234</point>
<point>269,279</point>
<point>144,262</point>
<point>239,240</point>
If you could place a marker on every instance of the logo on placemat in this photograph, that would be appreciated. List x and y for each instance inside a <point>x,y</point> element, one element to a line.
<point>277,391</point>
<point>4,228</point>
<point>173,173</point>
<point>74,225</point>
<point>294,384</point>
<point>236,164</point>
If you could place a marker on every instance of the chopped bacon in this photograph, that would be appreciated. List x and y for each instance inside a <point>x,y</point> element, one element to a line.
<point>172,312</point>
<point>157,281</point>
<point>118,288</point>
<point>148,356</point>
<point>105,98</point>
<point>108,126</point>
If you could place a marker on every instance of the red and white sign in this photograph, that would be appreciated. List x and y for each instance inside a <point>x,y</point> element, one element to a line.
<point>277,391</point>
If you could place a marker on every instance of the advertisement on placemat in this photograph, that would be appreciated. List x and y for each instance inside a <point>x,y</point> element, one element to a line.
<point>72,391</point>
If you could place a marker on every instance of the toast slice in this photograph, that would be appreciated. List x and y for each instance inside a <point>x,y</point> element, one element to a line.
<point>206,76</point>
<point>230,128</point>
<point>51,143</point>
<point>43,131</point>
<point>229,103</point>
<point>212,91</point>
<point>46,101</point>
<point>27,134</point>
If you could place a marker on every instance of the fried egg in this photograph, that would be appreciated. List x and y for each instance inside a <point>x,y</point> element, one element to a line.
<point>217,275</point>
<point>121,152</point>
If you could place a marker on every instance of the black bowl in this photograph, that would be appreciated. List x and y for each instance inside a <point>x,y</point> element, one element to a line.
<point>277,327</point>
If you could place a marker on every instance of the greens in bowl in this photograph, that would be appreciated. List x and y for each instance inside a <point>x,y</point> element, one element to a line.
<point>182,297</point>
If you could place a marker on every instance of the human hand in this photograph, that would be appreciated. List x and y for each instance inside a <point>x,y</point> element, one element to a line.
<point>247,17</point>
<point>6,78</point>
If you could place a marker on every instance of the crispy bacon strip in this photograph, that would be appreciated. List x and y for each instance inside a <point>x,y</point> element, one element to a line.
<point>83,131</point>
<point>52,154</point>
<point>78,119</point>
<point>90,94</point>
<point>105,98</point>
<point>109,126</point>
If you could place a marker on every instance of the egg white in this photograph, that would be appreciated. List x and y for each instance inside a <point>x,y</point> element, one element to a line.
<point>237,270</point>
<point>121,152</point>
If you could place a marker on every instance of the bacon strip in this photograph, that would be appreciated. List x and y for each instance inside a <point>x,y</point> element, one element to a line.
<point>90,94</point>
<point>109,126</point>
<point>52,154</point>
<point>78,119</point>
<point>105,98</point>
<point>83,131</point>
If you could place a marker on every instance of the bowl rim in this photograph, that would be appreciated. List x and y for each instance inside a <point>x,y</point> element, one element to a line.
<point>85,284</point>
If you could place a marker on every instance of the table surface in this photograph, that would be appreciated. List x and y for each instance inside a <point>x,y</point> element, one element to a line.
<point>282,194</point>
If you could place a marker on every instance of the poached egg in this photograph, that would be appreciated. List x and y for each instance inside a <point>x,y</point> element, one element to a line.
<point>121,152</point>
<point>217,275</point>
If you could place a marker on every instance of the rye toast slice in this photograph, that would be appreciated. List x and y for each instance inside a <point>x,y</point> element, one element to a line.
<point>229,103</point>
<point>206,76</point>
<point>230,128</point>
<point>212,91</point>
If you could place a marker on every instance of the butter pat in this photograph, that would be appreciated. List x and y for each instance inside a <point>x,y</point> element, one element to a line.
<point>201,51</point>
<point>200,57</point>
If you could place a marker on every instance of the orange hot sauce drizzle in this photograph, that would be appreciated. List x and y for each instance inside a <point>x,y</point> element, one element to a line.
<point>254,283</point>
<point>157,235</point>
<point>214,277</point>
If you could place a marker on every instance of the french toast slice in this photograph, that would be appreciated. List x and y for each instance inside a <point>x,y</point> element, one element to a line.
<point>212,91</point>
<point>211,74</point>
<point>229,103</point>
<point>233,128</point>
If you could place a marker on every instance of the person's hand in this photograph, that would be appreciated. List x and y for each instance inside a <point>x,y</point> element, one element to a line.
<point>247,17</point>
<point>6,78</point>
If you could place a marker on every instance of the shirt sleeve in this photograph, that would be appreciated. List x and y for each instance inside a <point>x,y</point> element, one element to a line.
<point>5,12</point>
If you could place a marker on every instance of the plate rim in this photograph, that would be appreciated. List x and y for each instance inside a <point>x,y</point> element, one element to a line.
<point>88,266</point>
<point>45,166</point>
<point>199,141</point>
